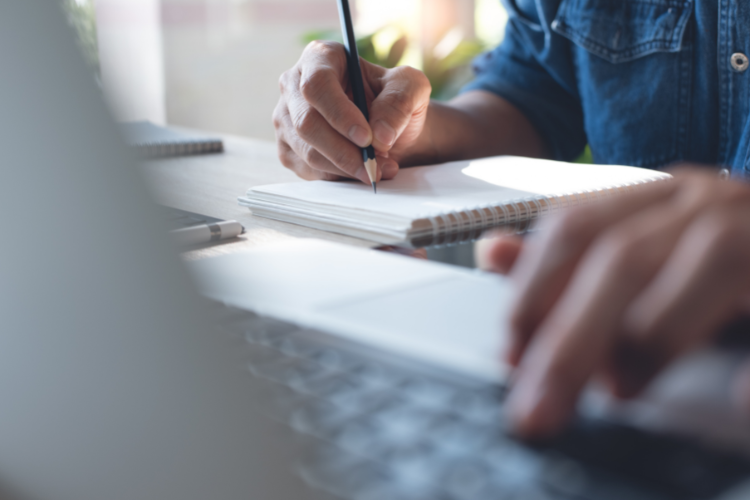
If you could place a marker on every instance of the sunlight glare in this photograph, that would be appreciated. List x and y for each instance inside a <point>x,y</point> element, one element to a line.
<point>373,15</point>
<point>542,176</point>
<point>490,21</point>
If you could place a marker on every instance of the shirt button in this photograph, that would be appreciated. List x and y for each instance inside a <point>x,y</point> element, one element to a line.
<point>740,62</point>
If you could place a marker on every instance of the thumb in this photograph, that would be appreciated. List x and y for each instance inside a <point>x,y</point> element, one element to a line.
<point>403,97</point>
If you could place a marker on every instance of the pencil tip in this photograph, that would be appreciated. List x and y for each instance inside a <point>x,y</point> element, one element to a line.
<point>374,188</point>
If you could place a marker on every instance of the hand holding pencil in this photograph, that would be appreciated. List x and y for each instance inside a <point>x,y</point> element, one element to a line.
<point>320,130</point>
<point>357,86</point>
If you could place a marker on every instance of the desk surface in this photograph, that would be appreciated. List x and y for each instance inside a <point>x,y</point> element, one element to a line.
<point>210,185</point>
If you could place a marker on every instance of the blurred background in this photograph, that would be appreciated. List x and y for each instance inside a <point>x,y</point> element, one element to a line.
<point>215,64</point>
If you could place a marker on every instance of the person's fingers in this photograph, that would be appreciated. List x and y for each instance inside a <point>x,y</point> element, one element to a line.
<point>578,336</point>
<point>323,83</point>
<point>387,168</point>
<point>347,154</point>
<point>401,102</point>
<point>697,291</point>
<point>315,139</point>
<point>294,163</point>
<point>549,258</point>
<point>288,157</point>
<point>318,80</point>
<point>305,160</point>
<point>498,254</point>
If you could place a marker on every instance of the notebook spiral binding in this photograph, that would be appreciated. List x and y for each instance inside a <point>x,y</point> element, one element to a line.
<point>188,147</point>
<point>517,216</point>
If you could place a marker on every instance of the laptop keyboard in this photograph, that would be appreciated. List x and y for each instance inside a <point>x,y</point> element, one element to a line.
<point>387,428</point>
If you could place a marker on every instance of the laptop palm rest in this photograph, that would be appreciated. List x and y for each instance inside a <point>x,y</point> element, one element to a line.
<point>436,313</point>
<point>448,317</point>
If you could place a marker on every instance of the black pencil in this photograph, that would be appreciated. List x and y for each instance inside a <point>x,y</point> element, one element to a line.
<point>358,86</point>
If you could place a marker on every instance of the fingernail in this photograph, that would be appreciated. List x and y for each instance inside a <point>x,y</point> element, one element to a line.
<point>360,136</point>
<point>384,133</point>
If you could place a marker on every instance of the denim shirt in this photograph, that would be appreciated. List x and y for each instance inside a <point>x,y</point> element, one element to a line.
<point>643,82</point>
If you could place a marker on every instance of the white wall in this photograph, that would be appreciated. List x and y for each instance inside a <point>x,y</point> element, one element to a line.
<point>223,58</point>
<point>130,54</point>
<point>215,64</point>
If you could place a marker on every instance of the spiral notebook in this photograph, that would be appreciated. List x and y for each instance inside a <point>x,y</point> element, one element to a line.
<point>154,141</point>
<point>443,204</point>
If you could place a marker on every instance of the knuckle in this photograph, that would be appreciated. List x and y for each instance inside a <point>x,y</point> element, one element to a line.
<point>407,73</point>
<point>306,124</point>
<point>418,78</point>
<point>276,118</point>
<point>283,80</point>
<point>286,156</point>
<point>312,157</point>
<point>344,161</point>
<point>398,102</point>
<point>323,47</point>
<point>315,83</point>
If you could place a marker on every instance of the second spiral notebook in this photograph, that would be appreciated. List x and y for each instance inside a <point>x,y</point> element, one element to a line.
<point>448,203</point>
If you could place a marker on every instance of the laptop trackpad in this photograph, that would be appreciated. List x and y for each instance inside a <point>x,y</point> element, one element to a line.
<point>455,322</point>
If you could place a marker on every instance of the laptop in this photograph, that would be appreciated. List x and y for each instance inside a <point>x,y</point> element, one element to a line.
<point>119,380</point>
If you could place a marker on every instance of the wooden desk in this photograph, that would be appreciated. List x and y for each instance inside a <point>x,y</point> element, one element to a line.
<point>210,185</point>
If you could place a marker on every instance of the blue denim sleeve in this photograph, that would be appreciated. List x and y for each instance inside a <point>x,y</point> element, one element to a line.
<point>514,72</point>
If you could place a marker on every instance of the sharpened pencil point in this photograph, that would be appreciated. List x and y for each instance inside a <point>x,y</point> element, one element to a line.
<point>374,188</point>
<point>372,172</point>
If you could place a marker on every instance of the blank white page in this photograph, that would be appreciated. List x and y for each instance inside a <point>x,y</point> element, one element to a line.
<point>423,191</point>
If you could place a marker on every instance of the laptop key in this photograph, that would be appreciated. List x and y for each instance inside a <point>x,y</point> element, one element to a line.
<point>397,492</point>
<point>454,437</point>
<point>341,474</point>
<point>512,464</point>
<point>342,392</point>
<point>429,394</point>
<point>290,372</point>
<point>481,407</point>
<point>466,480</point>
<point>375,376</point>
<point>361,438</point>
<point>399,423</point>
<point>268,332</point>
<point>320,419</point>
<point>416,469</point>
<point>297,345</point>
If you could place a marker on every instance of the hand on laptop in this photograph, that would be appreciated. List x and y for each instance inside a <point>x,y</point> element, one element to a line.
<point>319,129</point>
<point>621,290</point>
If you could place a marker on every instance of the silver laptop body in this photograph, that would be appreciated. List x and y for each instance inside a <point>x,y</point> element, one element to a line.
<point>117,383</point>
